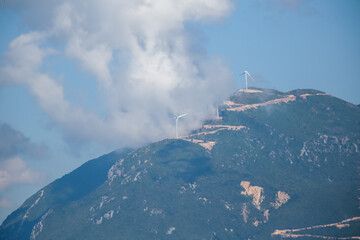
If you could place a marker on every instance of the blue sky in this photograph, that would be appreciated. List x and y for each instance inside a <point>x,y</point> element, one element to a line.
<point>75,85</point>
<point>315,45</point>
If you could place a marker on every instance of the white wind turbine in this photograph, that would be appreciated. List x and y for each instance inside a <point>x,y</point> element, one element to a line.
<point>247,74</point>
<point>176,122</point>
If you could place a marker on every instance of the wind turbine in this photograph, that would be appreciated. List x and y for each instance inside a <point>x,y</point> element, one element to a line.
<point>176,122</point>
<point>247,74</point>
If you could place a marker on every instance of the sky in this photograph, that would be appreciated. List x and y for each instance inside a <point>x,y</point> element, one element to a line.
<point>79,79</point>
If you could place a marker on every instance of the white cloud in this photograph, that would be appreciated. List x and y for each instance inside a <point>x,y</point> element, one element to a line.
<point>15,171</point>
<point>5,203</point>
<point>139,53</point>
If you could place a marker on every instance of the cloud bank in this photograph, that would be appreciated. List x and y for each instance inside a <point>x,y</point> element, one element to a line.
<point>13,169</point>
<point>146,65</point>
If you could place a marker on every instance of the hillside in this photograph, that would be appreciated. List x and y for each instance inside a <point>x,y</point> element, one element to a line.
<point>274,166</point>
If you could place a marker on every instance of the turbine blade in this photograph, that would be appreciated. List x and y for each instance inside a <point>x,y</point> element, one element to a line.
<point>182,115</point>
<point>251,77</point>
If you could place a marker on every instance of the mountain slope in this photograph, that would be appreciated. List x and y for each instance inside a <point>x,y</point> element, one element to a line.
<point>70,187</point>
<point>275,165</point>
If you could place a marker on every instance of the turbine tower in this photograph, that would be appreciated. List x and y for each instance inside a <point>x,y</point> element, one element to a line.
<point>176,123</point>
<point>247,74</point>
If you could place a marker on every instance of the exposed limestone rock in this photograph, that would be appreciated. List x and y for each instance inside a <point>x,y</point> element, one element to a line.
<point>210,129</point>
<point>156,211</point>
<point>294,233</point>
<point>245,212</point>
<point>250,90</point>
<point>208,144</point>
<point>286,99</point>
<point>266,215</point>
<point>170,231</point>
<point>257,193</point>
<point>303,96</point>
<point>281,198</point>
<point>227,127</point>
<point>39,226</point>
<point>109,215</point>
<point>41,193</point>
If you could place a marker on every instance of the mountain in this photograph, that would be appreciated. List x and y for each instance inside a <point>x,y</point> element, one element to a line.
<point>274,166</point>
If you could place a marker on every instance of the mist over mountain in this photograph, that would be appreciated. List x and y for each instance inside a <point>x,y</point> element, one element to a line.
<point>273,165</point>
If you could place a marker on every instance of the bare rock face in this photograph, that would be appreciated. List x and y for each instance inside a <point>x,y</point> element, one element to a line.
<point>257,193</point>
<point>281,198</point>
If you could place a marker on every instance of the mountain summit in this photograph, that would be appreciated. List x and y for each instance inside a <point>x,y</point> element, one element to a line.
<point>274,165</point>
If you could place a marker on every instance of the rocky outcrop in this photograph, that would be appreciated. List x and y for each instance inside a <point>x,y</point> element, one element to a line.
<point>257,193</point>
